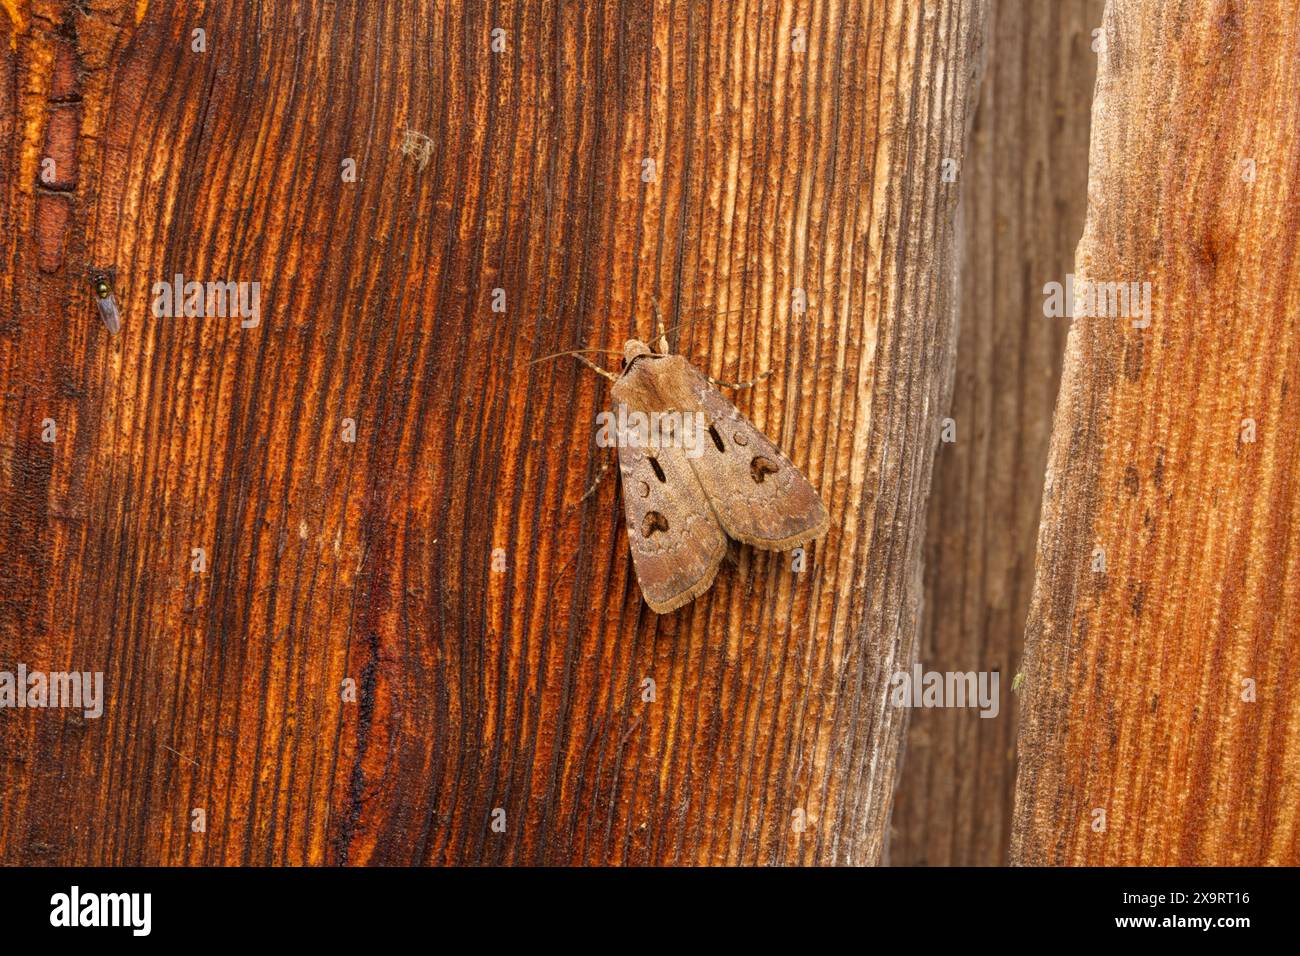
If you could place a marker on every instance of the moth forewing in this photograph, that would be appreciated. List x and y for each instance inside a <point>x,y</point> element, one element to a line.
<point>759,496</point>
<point>674,537</point>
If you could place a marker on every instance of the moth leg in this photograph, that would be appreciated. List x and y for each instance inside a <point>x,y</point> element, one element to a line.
<point>600,475</point>
<point>596,368</point>
<point>750,384</point>
<point>661,335</point>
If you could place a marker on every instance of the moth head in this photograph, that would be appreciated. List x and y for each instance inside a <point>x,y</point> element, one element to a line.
<point>634,348</point>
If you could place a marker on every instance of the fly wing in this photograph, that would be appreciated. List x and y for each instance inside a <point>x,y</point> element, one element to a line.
<point>108,312</point>
<point>760,498</point>
<point>674,536</point>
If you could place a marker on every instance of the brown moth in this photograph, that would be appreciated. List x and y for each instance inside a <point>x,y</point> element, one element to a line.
<point>683,499</point>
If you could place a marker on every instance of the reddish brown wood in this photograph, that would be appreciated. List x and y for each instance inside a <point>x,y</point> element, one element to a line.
<point>1141,741</point>
<point>513,683</point>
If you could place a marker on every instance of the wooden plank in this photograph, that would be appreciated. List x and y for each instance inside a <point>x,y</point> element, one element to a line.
<point>1023,198</point>
<point>496,637</point>
<point>1139,678</point>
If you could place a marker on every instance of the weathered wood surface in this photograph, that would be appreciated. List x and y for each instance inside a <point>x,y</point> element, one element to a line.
<point>1135,701</point>
<point>776,168</point>
<point>1024,189</point>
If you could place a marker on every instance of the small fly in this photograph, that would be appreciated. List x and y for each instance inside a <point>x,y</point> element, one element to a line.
<point>103,286</point>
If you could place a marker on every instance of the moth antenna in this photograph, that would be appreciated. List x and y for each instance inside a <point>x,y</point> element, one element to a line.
<point>699,318</point>
<point>575,352</point>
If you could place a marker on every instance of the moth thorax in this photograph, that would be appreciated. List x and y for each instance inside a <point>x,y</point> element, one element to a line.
<point>633,348</point>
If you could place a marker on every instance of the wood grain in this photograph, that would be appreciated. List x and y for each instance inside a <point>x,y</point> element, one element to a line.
<point>495,633</point>
<point>1135,697</point>
<point>1023,197</point>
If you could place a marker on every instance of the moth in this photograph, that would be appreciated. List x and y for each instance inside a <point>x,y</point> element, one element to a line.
<point>684,498</point>
<point>101,282</point>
